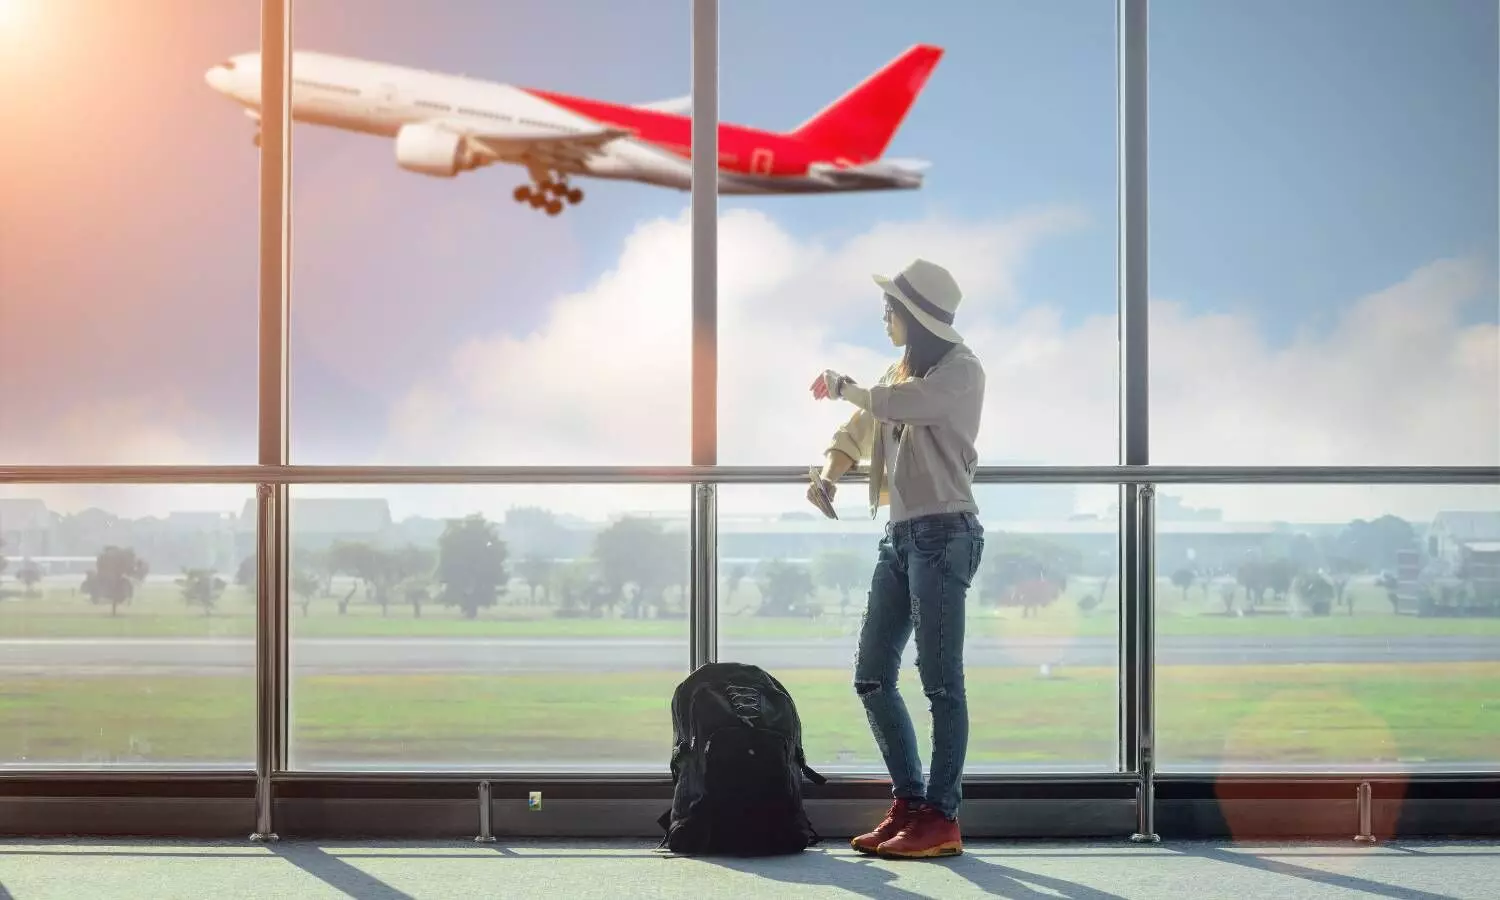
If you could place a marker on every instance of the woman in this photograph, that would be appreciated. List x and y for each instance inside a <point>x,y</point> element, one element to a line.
<point>917,427</point>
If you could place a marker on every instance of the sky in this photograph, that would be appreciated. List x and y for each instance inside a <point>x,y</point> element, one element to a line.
<point>1324,225</point>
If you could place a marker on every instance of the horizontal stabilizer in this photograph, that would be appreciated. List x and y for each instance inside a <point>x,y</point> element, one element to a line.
<point>680,105</point>
<point>882,173</point>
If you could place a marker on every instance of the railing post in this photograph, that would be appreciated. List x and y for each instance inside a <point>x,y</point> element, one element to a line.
<point>272,498</point>
<point>486,801</point>
<point>1145,643</point>
<point>1364,798</point>
<point>703,606</point>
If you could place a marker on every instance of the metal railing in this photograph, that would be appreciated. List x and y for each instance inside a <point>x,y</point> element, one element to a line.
<point>397,475</point>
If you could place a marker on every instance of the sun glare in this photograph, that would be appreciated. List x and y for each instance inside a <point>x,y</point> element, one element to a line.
<point>13,14</point>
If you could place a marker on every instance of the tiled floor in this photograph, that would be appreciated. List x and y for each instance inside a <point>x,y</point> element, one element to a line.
<point>78,869</point>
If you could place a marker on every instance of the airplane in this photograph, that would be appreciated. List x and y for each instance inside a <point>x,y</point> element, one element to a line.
<point>447,124</point>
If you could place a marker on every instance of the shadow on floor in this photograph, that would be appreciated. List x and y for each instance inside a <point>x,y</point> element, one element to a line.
<point>859,875</point>
<point>1292,870</point>
<point>336,873</point>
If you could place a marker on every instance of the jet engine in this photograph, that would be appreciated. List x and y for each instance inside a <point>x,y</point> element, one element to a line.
<point>431,150</point>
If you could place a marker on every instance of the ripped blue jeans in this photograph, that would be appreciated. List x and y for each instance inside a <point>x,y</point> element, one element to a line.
<point>921,579</point>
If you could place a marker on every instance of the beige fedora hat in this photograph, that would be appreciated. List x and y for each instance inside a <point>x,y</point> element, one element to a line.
<point>929,293</point>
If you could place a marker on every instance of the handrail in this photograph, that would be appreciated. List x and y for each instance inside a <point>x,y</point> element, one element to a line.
<point>390,475</point>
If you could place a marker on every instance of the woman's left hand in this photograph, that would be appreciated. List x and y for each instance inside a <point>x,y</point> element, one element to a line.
<point>827,384</point>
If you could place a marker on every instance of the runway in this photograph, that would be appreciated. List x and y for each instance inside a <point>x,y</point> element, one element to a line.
<point>51,657</point>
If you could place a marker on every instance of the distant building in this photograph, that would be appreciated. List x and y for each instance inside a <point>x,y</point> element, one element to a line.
<point>27,528</point>
<point>185,540</point>
<point>316,523</point>
<point>1455,532</point>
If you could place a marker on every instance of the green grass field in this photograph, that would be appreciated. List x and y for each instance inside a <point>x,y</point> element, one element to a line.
<point>159,611</point>
<point>1289,714</point>
<point>1284,714</point>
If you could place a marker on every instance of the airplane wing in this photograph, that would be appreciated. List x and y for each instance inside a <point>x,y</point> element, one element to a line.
<point>559,151</point>
<point>881,173</point>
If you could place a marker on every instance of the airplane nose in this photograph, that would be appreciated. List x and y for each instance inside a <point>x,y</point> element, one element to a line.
<point>218,78</point>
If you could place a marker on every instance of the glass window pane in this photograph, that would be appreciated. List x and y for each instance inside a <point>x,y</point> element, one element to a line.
<point>1041,634</point>
<point>1013,106</point>
<point>525,628</point>
<point>1328,627</point>
<point>127,627</point>
<point>442,320</point>
<point>1324,229</point>
<point>128,270</point>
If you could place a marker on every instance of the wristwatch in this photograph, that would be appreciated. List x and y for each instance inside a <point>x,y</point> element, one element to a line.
<point>838,386</point>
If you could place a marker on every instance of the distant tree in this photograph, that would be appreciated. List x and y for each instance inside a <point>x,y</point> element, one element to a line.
<point>471,565</point>
<point>202,588</point>
<point>1340,570</point>
<point>415,591</point>
<point>348,558</point>
<point>638,552</point>
<point>536,571</point>
<point>1253,577</point>
<point>314,563</point>
<point>244,576</point>
<point>1027,572</point>
<point>737,574</point>
<point>1183,579</point>
<point>1280,575</point>
<point>305,586</point>
<point>841,570</point>
<point>1375,543</point>
<point>116,574</point>
<point>1091,601</point>
<point>412,570</point>
<point>30,574</point>
<point>1317,591</point>
<point>577,589</point>
<point>785,589</point>
<point>535,531</point>
<point>1298,547</point>
<point>1227,592</point>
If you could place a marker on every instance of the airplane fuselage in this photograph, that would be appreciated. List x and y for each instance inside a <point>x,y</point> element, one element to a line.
<point>426,112</point>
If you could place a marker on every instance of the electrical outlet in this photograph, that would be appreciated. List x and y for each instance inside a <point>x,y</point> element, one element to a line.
<point>534,803</point>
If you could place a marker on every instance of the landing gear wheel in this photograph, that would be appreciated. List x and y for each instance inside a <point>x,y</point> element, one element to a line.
<point>537,201</point>
<point>554,207</point>
<point>522,193</point>
<point>575,196</point>
<point>256,140</point>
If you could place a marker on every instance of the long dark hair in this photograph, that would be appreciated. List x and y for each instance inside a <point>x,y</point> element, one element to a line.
<point>923,348</point>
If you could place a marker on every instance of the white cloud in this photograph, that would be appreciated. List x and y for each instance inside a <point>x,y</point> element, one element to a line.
<point>161,430</point>
<point>1398,380</point>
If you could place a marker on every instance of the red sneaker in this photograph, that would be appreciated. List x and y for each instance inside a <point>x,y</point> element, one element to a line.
<point>895,820</point>
<point>927,833</point>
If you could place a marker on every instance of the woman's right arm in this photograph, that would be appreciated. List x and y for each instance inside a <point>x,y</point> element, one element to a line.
<point>852,444</point>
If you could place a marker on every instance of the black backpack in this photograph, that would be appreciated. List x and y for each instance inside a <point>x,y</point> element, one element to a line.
<point>737,766</point>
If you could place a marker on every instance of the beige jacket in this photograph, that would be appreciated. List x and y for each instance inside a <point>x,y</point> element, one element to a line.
<point>936,458</point>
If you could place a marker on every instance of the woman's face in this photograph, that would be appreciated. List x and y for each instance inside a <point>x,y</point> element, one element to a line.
<point>895,326</point>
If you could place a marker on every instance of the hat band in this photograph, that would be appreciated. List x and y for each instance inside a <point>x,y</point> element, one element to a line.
<point>922,303</point>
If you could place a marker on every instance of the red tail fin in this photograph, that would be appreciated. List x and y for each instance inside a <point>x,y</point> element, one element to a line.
<point>859,125</point>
